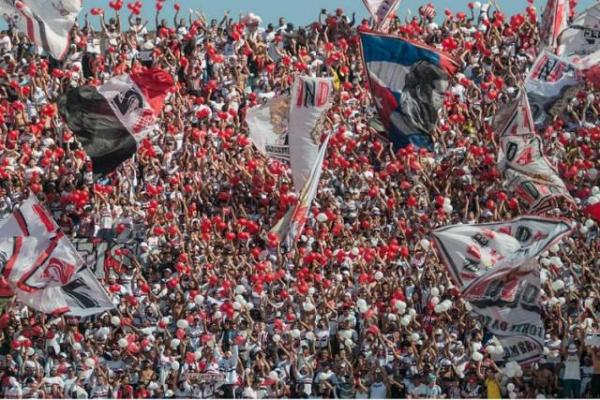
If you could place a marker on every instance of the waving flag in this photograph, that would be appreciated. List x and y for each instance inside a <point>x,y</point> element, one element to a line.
<point>268,125</point>
<point>581,41</point>
<point>381,9</point>
<point>112,119</point>
<point>310,100</point>
<point>529,175</point>
<point>408,82</point>
<point>515,119</point>
<point>549,86</point>
<point>555,20</point>
<point>473,251</point>
<point>47,23</point>
<point>42,268</point>
<point>288,229</point>
<point>508,304</point>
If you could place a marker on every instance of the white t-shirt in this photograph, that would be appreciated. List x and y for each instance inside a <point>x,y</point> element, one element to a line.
<point>572,367</point>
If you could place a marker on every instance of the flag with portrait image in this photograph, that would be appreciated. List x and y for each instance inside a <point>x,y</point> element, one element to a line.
<point>111,120</point>
<point>268,124</point>
<point>408,82</point>
<point>47,23</point>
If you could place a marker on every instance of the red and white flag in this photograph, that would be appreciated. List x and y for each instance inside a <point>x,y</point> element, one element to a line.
<point>47,23</point>
<point>473,251</point>
<point>42,268</point>
<point>111,120</point>
<point>380,10</point>
<point>555,20</point>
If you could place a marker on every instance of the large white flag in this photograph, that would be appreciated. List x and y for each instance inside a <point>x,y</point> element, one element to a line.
<point>473,251</point>
<point>288,229</point>
<point>508,305</point>
<point>268,125</point>
<point>46,22</point>
<point>43,269</point>
<point>381,9</point>
<point>549,85</point>
<point>311,99</point>
<point>581,41</point>
<point>528,174</point>
<point>555,20</point>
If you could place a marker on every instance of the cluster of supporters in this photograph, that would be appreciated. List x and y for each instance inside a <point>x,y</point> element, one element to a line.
<point>207,306</point>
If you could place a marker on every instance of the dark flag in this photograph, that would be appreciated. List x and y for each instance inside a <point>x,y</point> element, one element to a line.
<point>112,119</point>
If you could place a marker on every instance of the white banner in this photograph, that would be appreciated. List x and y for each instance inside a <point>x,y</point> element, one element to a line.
<point>289,227</point>
<point>381,9</point>
<point>46,22</point>
<point>547,86</point>
<point>581,41</point>
<point>508,306</point>
<point>43,268</point>
<point>268,125</point>
<point>528,173</point>
<point>311,99</point>
<point>472,251</point>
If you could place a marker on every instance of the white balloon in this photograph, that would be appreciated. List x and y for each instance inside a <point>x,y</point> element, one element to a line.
<point>589,223</point>
<point>438,309</point>
<point>276,338</point>
<point>425,244</point>
<point>595,190</point>
<point>447,201</point>
<point>412,312</point>
<point>476,5</point>
<point>90,362</point>
<point>76,347</point>
<point>236,305</point>
<point>592,174</point>
<point>555,248</point>
<point>310,336</point>
<point>273,376</point>
<point>583,230</point>
<point>123,343</point>
<point>355,251</point>
<point>175,343</point>
<point>510,387</point>
<point>401,306</point>
<point>405,320</point>
<point>295,333</point>
<point>378,275</point>
<point>435,291</point>
<point>199,299</point>
<point>545,262</point>
<point>435,300</point>
<point>322,217</point>
<point>175,365</point>
<point>116,321</point>
<point>218,315</point>
<point>239,289</point>
<point>308,307</point>
<point>183,324</point>
<point>414,337</point>
<point>448,208</point>
<point>558,284</point>
<point>361,303</point>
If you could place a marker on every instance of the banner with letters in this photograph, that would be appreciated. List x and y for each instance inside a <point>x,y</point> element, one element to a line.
<point>549,86</point>
<point>310,100</point>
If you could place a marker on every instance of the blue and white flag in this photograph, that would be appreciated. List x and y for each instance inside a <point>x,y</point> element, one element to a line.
<point>407,81</point>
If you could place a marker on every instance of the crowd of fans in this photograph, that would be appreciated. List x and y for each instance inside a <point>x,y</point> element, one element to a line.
<point>208,304</point>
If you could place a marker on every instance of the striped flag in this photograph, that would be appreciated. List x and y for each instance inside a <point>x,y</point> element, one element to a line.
<point>112,119</point>
<point>47,23</point>
<point>555,19</point>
